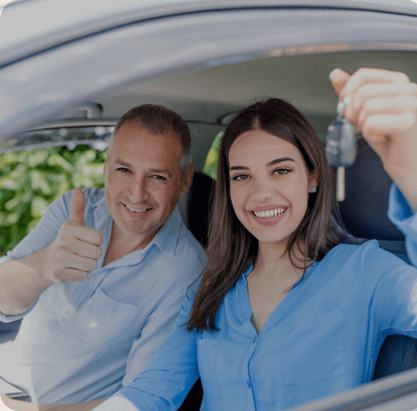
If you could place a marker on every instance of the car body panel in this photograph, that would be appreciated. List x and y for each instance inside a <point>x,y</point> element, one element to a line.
<point>206,60</point>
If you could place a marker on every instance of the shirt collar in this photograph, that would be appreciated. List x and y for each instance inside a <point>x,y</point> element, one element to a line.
<point>168,236</point>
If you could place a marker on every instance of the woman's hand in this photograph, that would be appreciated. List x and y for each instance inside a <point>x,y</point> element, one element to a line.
<point>17,405</point>
<point>382,105</point>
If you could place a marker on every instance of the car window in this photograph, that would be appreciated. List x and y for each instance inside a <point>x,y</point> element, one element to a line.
<point>230,80</point>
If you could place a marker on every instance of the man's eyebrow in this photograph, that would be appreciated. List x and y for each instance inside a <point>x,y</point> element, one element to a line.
<point>271,163</point>
<point>123,163</point>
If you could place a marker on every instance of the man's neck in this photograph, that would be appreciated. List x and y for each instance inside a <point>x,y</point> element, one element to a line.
<point>122,244</point>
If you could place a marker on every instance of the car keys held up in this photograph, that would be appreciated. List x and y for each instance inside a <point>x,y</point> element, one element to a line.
<point>341,148</point>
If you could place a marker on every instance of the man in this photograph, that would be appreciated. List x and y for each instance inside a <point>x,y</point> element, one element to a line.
<point>101,278</point>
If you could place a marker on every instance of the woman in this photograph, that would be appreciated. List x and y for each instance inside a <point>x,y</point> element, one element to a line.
<point>287,312</point>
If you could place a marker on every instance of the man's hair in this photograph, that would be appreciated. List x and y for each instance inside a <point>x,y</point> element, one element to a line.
<point>159,120</point>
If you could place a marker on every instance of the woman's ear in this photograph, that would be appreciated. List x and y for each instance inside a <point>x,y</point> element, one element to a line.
<point>313,182</point>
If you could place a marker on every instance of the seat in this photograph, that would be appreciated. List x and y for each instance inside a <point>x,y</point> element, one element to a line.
<point>195,205</point>
<point>364,211</point>
<point>364,215</point>
<point>195,209</point>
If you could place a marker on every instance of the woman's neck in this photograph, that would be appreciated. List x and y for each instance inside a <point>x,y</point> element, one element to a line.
<point>276,260</point>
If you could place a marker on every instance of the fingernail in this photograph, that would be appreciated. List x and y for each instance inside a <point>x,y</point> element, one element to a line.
<point>347,99</point>
<point>330,75</point>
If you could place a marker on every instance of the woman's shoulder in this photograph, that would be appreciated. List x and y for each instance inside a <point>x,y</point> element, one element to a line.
<point>358,259</point>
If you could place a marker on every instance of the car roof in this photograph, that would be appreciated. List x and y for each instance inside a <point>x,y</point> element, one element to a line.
<point>198,57</point>
<point>30,25</point>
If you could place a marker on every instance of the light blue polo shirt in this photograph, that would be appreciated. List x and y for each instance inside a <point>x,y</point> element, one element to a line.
<point>86,340</point>
<point>324,337</point>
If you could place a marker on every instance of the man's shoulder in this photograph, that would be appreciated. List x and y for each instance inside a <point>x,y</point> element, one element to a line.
<point>189,250</point>
<point>94,194</point>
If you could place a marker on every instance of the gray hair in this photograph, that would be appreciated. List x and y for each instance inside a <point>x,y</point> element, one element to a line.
<point>159,121</point>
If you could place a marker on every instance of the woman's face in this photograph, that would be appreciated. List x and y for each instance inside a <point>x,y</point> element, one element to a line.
<point>269,185</point>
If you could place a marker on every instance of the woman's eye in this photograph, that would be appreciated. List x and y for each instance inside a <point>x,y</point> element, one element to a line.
<point>240,177</point>
<point>282,171</point>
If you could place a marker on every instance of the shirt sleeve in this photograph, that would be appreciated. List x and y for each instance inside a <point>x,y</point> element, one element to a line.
<point>116,404</point>
<point>43,234</point>
<point>170,375</point>
<point>400,213</point>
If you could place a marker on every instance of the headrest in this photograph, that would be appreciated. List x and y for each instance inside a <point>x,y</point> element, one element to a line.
<point>364,210</point>
<point>195,206</point>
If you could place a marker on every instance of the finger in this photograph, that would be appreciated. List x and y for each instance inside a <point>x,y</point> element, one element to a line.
<point>404,103</point>
<point>77,207</point>
<point>338,79</point>
<point>371,75</point>
<point>377,127</point>
<point>81,233</point>
<point>371,91</point>
<point>70,275</point>
<point>66,260</point>
<point>84,249</point>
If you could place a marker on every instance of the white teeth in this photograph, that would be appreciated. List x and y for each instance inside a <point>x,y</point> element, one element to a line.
<point>142,210</point>
<point>269,213</point>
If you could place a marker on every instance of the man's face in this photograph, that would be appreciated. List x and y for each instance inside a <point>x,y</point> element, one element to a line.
<point>143,181</point>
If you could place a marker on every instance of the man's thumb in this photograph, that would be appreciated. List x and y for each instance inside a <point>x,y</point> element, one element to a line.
<point>77,206</point>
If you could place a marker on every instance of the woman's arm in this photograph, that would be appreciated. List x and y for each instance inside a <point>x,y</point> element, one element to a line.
<point>382,105</point>
<point>168,378</point>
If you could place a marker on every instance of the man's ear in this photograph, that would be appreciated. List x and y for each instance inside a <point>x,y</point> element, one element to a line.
<point>187,179</point>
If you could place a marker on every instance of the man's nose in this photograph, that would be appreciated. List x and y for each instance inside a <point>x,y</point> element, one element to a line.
<point>138,190</point>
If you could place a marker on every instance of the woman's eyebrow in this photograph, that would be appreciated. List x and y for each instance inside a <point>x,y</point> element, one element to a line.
<point>279,160</point>
<point>271,163</point>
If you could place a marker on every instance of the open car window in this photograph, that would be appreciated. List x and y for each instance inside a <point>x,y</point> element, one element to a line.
<point>204,60</point>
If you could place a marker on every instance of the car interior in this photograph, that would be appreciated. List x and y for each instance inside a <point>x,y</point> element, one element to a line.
<point>207,99</point>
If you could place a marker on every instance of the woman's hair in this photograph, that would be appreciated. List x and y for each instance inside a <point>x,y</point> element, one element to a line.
<point>231,247</point>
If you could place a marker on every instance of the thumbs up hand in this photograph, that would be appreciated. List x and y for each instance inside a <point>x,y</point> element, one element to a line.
<point>76,249</point>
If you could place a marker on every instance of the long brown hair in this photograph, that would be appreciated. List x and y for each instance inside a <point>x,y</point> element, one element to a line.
<point>231,247</point>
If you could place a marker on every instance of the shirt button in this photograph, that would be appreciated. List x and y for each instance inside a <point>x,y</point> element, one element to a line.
<point>92,278</point>
<point>248,382</point>
<point>68,314</point>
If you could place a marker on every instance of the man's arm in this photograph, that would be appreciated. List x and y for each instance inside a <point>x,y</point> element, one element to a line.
<point>17,405</point>
<point>69,257</point>
<point>21,282</point>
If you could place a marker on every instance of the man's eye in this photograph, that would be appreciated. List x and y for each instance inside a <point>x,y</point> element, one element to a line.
<point>122,169</point>
<point>158,177</point>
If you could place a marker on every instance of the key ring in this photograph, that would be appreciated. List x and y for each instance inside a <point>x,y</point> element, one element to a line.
<point>341,106</point>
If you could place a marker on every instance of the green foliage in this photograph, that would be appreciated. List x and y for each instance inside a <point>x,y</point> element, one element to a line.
<point>210,166</point>
<point>30,180</point>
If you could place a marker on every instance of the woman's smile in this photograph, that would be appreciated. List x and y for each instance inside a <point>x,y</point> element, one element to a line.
<point>269,185</point>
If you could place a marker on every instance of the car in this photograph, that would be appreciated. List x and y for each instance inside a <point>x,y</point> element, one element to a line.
<point>68,70</point>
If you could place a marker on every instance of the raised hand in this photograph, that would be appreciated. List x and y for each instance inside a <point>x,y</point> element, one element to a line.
<point>76,249</point>
<point>382,105</point>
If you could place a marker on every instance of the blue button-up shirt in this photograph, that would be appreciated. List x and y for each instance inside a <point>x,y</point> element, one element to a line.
<point>323,338</point>
<point>85,340</point>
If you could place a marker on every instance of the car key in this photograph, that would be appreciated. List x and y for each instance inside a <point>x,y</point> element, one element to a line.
<point>341,148</point>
